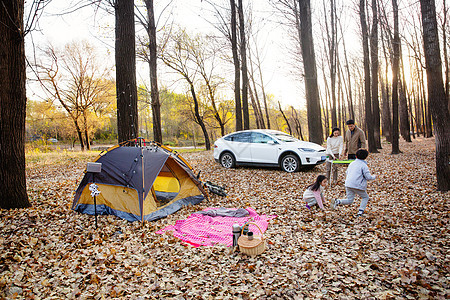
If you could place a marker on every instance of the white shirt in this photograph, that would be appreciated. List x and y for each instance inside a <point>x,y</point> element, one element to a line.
<point>335,145</point>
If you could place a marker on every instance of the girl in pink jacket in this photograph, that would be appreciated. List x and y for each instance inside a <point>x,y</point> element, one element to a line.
<point>313,194</point>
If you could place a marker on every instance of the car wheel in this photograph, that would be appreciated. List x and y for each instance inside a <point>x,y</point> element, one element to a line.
<point>290,163</point>
<point>227,160</point>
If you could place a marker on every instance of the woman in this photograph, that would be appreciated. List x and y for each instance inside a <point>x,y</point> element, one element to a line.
<point>335,145</point>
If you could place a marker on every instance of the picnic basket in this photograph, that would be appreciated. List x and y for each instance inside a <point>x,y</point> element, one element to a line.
<point>252,247</point>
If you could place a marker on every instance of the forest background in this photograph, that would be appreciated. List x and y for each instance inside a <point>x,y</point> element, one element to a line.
<point>379,62</point>
<point>275,70</point>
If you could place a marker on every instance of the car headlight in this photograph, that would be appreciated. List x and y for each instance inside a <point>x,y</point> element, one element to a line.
<point>306,149</point>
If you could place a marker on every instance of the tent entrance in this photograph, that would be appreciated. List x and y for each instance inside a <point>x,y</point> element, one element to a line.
<point>166,186</point>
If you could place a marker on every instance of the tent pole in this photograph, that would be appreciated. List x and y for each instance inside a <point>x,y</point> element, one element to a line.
<point>95,202</point>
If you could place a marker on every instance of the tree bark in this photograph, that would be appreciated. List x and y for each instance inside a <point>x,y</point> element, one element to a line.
<point>367,93</point>
<point>375,70</point>
<point>244,70</point>
<point>444,46</point>
<point>237,68</point>
<point>309,67</point>
<point>156,105</point>
<point>395,78</point>
<point>125,56</point>
<point>13,191</point>
<point>436,93</point>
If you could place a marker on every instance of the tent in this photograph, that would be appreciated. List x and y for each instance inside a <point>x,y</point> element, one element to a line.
<point>139,181</point>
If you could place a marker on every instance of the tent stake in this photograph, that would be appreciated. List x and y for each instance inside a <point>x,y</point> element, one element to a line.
<point>93,168</point>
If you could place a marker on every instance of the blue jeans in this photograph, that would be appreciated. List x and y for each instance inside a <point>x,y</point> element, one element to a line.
<point>351,192</point>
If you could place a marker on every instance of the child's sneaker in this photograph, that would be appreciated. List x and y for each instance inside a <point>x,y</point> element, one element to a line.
<point>359,214</point>
<point>307,206</point>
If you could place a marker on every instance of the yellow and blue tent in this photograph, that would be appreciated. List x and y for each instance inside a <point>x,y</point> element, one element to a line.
<point>139,181</point>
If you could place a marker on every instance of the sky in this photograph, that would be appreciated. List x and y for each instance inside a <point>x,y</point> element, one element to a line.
<point>98,28</point>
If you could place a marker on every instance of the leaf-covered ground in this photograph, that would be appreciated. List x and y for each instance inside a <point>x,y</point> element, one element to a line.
<point>399,250</point>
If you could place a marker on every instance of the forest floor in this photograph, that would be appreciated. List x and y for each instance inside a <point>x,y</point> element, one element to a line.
<point>399,250</point>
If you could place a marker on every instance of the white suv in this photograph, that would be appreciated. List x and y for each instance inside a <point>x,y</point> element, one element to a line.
<point>263,147</point>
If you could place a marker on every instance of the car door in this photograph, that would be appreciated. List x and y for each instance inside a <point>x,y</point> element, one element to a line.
<point>239,144</point>
<point>264,148</point>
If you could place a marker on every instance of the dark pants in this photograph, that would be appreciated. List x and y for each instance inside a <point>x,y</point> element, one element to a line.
<point>351,156</point>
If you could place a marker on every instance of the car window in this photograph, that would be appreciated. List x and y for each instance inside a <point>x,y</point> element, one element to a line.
<point>260,138</point>
<point>285,137</point>
<point>243,137</point>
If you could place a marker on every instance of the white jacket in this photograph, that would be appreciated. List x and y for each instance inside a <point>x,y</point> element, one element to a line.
<point>358,174</point>
<point>335,145</point>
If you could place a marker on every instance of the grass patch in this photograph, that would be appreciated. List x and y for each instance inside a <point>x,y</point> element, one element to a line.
<point>39,158</point>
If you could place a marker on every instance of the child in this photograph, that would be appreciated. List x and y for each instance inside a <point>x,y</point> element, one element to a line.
<point>356,182</point>
<point>313,194</point>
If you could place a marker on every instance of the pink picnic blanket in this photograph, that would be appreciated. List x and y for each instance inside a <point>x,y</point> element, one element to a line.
<point>204,230</point>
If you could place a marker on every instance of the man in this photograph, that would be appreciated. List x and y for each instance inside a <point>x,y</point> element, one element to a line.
<point>354,139</point>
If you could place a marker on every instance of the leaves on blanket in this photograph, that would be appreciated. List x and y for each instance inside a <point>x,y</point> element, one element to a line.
<point>398,250</point>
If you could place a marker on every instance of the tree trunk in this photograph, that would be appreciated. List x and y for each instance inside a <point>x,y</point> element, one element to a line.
<point>298,125</point>
<point>404,119</point>
<point>446,60</point>
<point>156,105</point>
<point>333,62</point>
<point>237,68</point>
<point>386,111</point>
<point>395,79</point>
<point>245,113</point>
<point>197,115</point>
<point>125,55</point>
<point>13,191</point>
<point>255,108</point>
<point>86,134</point>
<point>375,69</point>
<point>309,67</point>
<point>254,96</point>
<point>436,93</point>
<point>285,118</point>
<point>367,93</point>
<point>351,111</point>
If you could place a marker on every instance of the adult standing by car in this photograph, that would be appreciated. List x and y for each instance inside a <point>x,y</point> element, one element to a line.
<point>335,146</point>
<point>354,140</point>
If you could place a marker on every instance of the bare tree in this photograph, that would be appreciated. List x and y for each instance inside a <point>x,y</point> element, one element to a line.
<point>436,93</point>
<point>285,118</point>
<point>76,81</point>
<point>309,67</point>
<point>152,59</point>
<point>237,69</point>
<point>244,70</point>
<point>395,79</point>
<point>298,125</point>
<point>375,66</point>
<point>367,87</point>
<point>178,56</point>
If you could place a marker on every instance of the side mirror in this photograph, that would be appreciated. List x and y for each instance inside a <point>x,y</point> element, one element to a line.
<point>271,142</point>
